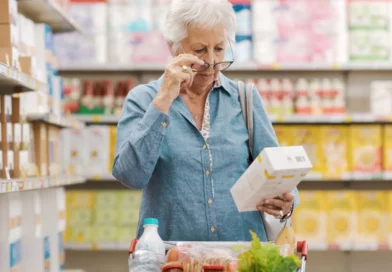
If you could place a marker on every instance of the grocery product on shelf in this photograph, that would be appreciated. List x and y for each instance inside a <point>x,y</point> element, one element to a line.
<point>381,98</point>
<point>282,32</point>
<point>85,224</point>
<point>366,147</point>
<point>335,152</point>
<point>369,27</point>
<point>10,232</point>
<point>342,219</point>
<point>310,218</point>
<point>104,97</point>
<point>372,222</point>
<point>387,152</point>
<point>310,138</point>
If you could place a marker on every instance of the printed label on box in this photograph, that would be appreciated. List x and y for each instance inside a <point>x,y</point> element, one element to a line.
<point>15,257</point>
<point>46,254</point>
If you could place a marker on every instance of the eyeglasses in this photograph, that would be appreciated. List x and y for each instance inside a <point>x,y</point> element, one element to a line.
<point>220,66</point>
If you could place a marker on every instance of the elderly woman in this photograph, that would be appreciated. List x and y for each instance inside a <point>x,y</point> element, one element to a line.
<point>183,140</point>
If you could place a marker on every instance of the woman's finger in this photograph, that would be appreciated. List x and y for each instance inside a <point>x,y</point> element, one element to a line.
<point>187,60</point>
<point>273,212</point>
<point>275,202</point>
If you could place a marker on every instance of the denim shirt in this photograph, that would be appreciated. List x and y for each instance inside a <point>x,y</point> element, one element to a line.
<point>167,157</point>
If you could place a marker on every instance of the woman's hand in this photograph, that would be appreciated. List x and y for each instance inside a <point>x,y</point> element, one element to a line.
<point>175,77</point>
<point>275,205</point>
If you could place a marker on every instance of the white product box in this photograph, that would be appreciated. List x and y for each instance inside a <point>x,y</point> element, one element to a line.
<point>32,240</point>
<point>40,52</point>
<point>10,232</point>
<point>73,151</point>
<point>275,171</point>
<point>381,98</point>
<point>98,150</point>
<point>57,89</point>
<point>53,222</point>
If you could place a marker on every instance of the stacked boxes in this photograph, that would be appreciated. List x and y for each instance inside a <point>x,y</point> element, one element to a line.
<point>102,218</point>
<point>344,220</point>
<point>337,152</point>
<point>9,35</point>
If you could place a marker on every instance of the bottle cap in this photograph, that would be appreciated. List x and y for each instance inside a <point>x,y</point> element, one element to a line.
<point>150,221</point>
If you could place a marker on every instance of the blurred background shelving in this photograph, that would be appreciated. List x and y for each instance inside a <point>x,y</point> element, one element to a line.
<point>332,94</point>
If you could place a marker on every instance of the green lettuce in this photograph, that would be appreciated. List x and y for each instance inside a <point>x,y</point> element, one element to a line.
<point>266,258</point>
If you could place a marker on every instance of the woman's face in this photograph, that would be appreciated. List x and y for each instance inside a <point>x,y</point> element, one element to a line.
<point>208,45</point>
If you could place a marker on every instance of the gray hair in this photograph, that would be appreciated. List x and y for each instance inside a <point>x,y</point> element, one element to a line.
<point>204,13</point>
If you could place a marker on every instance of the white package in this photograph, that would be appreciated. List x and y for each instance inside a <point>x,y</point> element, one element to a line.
<point>32,240</point>
<point>275,171</point>
<point>10,232</point>
<point>98,150</point>
<point>381,98</point>
<point>53,223</point>
<point>74,153</point>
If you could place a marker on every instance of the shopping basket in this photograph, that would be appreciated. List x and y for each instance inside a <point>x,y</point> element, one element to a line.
<point>302,248</point>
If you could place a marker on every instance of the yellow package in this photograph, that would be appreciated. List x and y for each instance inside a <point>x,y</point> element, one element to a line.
<point>284,135</point>
<point>372,220</point>
<point>78,234</point>
<point>310,219</point>
<point>80,199</point>
<point>342,219</point>
<point>366,150</point>
<point>334,144</point>
<point>389,215</point>
<point>310,138</point>
<point>387,149</point>
<point>112,146</point>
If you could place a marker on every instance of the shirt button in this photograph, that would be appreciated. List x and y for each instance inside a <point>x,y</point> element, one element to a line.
<point>210,201</point>
<point>207,173</point>
<point>213,229</point>
<point>164,124</point>
<point>204,146</point>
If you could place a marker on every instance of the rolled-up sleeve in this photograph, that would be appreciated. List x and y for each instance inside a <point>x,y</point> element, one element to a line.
<point>264,134</point>
<point>140,132</point>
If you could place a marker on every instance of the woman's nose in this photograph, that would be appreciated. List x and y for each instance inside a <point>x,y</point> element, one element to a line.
<point>209,58</point>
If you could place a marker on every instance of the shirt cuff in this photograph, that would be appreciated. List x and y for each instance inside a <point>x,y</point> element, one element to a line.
<point>156,120</point>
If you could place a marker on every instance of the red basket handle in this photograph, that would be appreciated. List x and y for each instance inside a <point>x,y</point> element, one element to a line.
<point>302,249</point>
<point>132,247</point>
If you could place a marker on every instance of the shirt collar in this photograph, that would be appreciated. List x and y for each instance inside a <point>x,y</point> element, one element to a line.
<point>224,83</point>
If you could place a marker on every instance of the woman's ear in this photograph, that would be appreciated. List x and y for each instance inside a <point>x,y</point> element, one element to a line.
<point>172,50</point>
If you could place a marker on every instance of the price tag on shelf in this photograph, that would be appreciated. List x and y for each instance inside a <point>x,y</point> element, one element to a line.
<point>275,66</point>
<point>348,118</point>
<point>95,246</point>
<point>96,118</point>
<point>335,66</point>
<point>3,187</point>
<point>96,177</point>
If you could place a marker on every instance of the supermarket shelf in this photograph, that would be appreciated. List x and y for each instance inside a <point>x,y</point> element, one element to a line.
<point>304,119</point>
<point>247,67</point>
<point>12,81</point>
<point>48,12</point>
<point>96,119</point>
<point>98,246</point>
<point>62,122</point>
<point>15,185</point>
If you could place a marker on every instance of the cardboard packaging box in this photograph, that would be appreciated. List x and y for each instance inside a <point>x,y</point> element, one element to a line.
<point>7,136</point>
<point>10,232</point>
<point>9,56</point>
<point>372,224</point>
<point>41,148</point>
<point>275,171</point>
<point>342,219</point>
<point>8,11</point>
<point>335,150</point>
<point>387,151</point>
<point>54,150</point>
<point>28,166</point>
<point>366,151</point>
<point>310,219</point>
<point>74,151</point>
<point>9,35</point>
